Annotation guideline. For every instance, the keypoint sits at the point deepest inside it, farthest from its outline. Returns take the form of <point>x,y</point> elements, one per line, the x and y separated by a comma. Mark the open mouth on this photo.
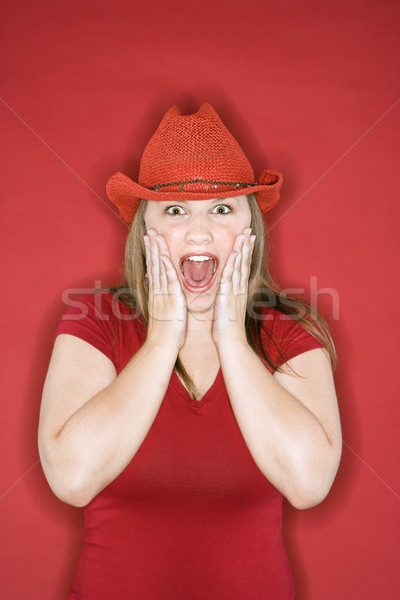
<point>198,271</point>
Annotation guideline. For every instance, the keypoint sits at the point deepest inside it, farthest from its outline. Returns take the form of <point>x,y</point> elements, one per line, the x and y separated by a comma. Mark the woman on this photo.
<point>180,408</point>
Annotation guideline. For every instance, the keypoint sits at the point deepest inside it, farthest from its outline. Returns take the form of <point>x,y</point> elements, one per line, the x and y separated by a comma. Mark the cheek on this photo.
<point>227,237</point>
<point>150,222</point>
<point>236,229</point>
<point>173,240</point>
<point>226,242</point>
<point>153,217</point>
<point>155,221</point>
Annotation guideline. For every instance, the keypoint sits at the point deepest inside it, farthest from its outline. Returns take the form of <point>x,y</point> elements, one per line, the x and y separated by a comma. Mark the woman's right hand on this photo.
<point>167,303</point>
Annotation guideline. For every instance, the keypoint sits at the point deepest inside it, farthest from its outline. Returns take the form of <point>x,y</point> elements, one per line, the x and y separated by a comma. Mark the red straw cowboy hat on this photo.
<point>192,157</point>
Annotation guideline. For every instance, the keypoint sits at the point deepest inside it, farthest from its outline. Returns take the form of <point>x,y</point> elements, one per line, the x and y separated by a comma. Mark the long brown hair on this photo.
<point>263,292</point>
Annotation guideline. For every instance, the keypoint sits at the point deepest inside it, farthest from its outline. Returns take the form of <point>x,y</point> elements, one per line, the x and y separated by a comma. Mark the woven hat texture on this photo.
<point>192,157</point>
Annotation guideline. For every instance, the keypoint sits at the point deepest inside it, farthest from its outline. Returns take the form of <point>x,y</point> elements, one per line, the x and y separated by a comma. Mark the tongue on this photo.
<point>198,273</point>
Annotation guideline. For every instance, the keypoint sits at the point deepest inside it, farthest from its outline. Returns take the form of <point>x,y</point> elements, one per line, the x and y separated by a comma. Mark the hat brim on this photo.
<point>127,194</point>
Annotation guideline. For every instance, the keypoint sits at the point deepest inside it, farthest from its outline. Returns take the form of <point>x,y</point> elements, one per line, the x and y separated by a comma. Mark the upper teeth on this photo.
<point>198,258</point>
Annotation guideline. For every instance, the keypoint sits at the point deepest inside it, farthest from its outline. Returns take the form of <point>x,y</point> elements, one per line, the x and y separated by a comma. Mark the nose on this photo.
<point>199,231</point>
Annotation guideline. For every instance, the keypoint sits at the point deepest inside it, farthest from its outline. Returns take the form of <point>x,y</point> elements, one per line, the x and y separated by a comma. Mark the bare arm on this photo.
<point>290,422</point>
<point>92,421</point>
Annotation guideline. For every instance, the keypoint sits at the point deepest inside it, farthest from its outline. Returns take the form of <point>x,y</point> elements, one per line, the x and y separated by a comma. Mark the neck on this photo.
<point>199,324</point>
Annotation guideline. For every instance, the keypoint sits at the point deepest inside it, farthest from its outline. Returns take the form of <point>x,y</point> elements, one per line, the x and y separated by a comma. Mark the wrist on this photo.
<point>165,343</point>
<point>228,341</point>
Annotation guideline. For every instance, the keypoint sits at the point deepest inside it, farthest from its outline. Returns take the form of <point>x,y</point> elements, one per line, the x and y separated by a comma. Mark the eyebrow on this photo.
<point>186,201</point>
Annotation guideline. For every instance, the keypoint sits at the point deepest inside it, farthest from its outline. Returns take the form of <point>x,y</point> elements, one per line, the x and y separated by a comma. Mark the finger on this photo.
<point>226,278</point>
<point>155,263</point>
<point>152,232</point>
<point>244,234</point>
<point>162,270</point>
<point>248,248</point>
<point>162,249</point>
<point>240,274</point>
<point>163,277</point>
<point>239,245</point>
<point>162,243</point>
<point>148,259</point>
<point>236,275</point>
<point>240,238</point>
<point>170,271</point>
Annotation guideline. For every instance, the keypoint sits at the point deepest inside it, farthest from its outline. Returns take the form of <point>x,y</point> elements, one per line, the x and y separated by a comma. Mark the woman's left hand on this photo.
<point>231,298</point>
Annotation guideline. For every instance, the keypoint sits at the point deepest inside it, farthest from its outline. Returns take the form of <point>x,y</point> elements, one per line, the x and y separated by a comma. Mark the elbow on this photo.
<point>307,498</point>
<point>68,479</point>
<point>70,491</point>
<point>70,487</point>
<point>74,497</point>
<point>314,484</point>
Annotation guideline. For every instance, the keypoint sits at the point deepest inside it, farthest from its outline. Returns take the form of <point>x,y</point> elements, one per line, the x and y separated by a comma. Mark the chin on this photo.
<point>200,303</point>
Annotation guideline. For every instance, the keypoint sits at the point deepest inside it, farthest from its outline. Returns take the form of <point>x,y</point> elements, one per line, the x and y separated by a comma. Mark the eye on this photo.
<point>222,209</point>
<point>175,210</point>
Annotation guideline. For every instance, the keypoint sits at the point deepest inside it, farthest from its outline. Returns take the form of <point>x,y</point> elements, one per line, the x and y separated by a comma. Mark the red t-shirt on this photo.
<point>191,517</point>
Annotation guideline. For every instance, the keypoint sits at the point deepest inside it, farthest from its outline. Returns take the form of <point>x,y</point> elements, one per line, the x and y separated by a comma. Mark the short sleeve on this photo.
<point>90,318</point>
<point>285,338</point>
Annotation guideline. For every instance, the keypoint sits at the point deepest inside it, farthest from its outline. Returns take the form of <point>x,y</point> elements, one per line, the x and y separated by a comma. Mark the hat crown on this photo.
<point>187,148</point>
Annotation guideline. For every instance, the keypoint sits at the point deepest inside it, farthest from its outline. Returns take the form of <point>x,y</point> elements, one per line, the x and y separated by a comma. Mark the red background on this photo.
<point>309,88</point>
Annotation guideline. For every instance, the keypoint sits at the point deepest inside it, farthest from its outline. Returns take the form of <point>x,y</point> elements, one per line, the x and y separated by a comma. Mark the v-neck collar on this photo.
<point>210,394</point>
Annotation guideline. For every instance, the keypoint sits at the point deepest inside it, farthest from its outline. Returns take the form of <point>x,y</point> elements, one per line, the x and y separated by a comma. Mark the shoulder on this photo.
<point>285,336</point>
<point>103,304</point>
<point>103,320</point>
